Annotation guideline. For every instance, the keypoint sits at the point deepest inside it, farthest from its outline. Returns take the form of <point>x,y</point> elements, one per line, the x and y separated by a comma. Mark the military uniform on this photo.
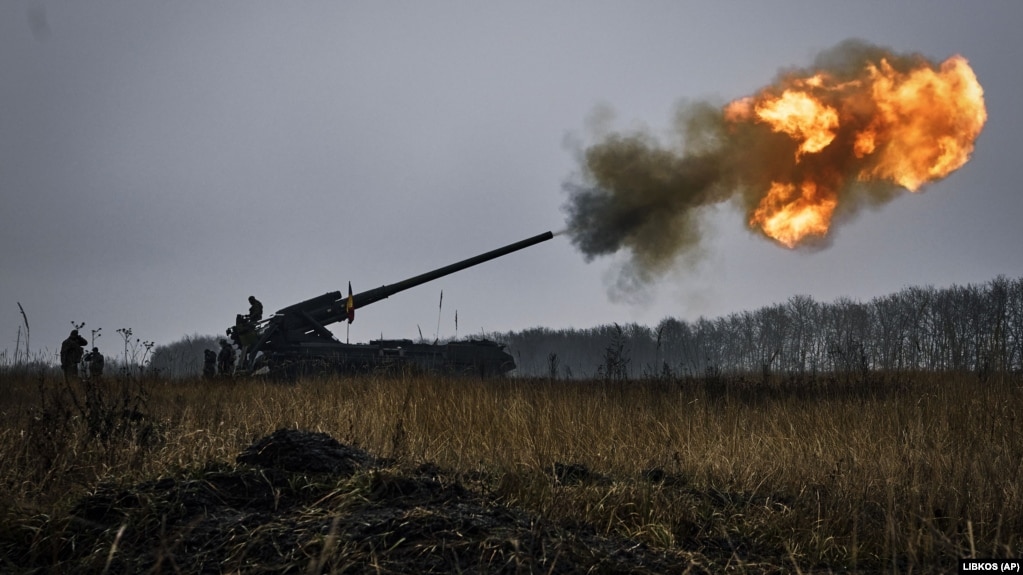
<point>96,362</point>
<point>225,359</point>
<point>255,309</point>
<point>71,353</point>
<point>209,366</point>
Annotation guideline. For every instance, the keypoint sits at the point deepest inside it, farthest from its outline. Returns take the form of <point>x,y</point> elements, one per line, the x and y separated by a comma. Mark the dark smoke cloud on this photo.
<point>642,196</point>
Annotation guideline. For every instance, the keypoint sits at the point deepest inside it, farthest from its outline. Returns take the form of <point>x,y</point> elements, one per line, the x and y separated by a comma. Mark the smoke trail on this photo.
<point>811,149</point>
<point>641,196</point>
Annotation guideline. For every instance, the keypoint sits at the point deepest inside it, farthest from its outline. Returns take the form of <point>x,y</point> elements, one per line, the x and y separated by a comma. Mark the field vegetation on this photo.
<point>717,473</point>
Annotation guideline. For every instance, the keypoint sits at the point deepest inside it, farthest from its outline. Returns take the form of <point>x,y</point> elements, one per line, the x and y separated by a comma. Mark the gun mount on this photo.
<point>295,339</point>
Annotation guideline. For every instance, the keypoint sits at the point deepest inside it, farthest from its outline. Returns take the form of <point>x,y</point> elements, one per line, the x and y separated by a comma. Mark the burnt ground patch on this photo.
<point>300,502</point>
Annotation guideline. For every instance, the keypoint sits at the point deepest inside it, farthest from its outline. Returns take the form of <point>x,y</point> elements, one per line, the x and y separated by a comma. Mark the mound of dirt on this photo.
<point>304,451</point>
<point>302,502</point>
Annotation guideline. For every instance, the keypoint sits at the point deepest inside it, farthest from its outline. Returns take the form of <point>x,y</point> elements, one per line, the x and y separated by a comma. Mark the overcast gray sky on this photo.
<point>162,161</point>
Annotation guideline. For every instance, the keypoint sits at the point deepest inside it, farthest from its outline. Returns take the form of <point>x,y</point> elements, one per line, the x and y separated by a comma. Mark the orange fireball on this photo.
<point>812,149</point>
<point>788,216</point>
<point>801,116</point>
<point>902,125</point>
<point>930,119</point>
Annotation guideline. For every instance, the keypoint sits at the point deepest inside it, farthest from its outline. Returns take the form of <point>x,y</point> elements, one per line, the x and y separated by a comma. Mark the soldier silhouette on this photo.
<point>225,359</point>
<point>255,309</point>
<point>96,363</point>
<point>209,365</point>
<point>71,352</point>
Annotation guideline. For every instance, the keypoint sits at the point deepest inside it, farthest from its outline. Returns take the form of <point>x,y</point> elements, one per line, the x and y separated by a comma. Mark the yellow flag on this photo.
<point>350,306</point>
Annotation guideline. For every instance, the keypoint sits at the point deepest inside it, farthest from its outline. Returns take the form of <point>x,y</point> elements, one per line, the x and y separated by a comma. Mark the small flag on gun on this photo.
<point>350,305</point>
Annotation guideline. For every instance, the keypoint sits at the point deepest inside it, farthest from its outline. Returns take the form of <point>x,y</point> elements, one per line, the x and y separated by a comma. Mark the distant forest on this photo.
<point>975,328</point>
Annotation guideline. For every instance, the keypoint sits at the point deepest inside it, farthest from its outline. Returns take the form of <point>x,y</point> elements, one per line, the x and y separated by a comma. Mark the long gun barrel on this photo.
<point>313,314</point>
<point>374,295</point>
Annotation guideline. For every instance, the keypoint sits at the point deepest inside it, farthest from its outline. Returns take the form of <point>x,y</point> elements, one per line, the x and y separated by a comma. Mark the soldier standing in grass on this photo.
<point>96,362</point>
<point>71,353</point>
<point>209,365</point>
<point>225,359</point>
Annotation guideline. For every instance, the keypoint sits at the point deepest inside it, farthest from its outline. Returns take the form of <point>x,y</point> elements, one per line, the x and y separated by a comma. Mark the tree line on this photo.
<point>976,328</point>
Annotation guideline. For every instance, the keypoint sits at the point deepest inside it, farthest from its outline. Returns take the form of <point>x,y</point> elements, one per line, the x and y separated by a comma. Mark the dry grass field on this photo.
<point>450,475</point>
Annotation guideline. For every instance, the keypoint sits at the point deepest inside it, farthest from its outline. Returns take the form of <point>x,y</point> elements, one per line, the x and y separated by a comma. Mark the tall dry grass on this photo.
<point>803,474</point>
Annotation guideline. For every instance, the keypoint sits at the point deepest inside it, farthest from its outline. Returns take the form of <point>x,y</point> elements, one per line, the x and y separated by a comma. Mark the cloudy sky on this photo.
<point>162,161</point>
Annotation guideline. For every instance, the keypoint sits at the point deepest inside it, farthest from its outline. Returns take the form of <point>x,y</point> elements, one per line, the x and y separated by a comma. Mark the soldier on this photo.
<point>95,360</point>
<point>71,354</point>
<point>225,359</point>
<point>255,309</point>
<point>209,366</point>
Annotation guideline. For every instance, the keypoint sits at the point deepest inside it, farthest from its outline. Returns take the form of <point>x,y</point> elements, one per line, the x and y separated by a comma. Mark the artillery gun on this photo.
<point>295,340</point>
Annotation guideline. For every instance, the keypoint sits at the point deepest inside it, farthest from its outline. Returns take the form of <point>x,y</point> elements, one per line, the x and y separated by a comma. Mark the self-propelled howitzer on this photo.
<point>295,339</point>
